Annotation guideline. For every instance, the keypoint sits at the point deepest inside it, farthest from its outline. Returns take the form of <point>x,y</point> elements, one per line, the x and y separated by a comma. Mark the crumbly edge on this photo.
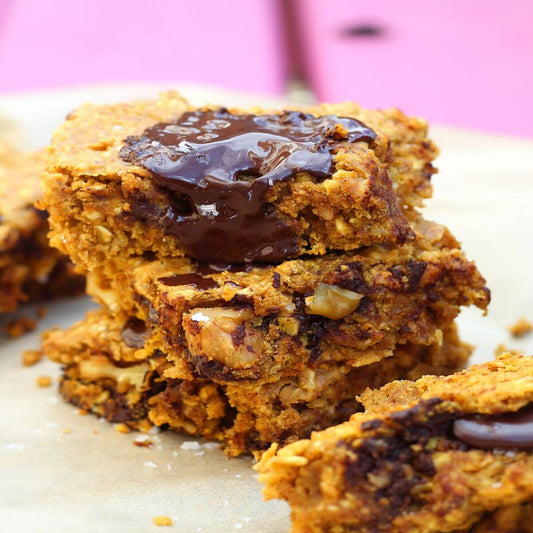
<point>396,467</point>
<point>246,416</point>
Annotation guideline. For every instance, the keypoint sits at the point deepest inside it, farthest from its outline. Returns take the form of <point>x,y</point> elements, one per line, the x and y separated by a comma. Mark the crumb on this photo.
<point>122,428</point>
<point>162,521</point>
<point>42,312</point>
<point>143,443</point>
<point>521,328</point>
<point>31,357</point>
<point>66,430</point>
<point>501,348</point>
<point>83,412</point>
<point>150,464</point>
<point>44,381</point>
<point>17,327</point>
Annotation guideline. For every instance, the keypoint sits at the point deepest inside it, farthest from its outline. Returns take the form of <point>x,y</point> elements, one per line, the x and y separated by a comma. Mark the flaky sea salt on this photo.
<point>211,446</point>
<point>190,445</point>
<point>199,317</point>
<point>150,464</point>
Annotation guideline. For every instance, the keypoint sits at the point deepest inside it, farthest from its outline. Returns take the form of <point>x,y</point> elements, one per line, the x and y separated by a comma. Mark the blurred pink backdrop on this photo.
<point>461,63</point>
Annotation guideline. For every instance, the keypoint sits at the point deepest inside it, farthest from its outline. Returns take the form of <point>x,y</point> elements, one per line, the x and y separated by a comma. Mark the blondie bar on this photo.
<point>263,322</point>
<point>104,374</point>
<point>29,268</point>
<point>232,186</point>
<point>439,454</point>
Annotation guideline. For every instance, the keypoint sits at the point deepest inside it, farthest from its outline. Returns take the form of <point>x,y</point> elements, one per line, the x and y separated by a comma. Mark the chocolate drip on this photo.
<point>221,166</point>
<point>134,333</point>
<point>508,430</point>
<point>196,280</point>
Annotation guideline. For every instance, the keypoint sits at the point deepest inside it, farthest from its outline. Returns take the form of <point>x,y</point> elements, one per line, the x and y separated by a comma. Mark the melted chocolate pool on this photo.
<point>220,166</point>
<point>508,430</point>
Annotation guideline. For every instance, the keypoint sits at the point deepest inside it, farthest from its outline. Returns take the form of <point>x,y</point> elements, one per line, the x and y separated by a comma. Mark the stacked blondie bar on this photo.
<point>29,268</point>
<point>257,270</point>
<point>450,453</point>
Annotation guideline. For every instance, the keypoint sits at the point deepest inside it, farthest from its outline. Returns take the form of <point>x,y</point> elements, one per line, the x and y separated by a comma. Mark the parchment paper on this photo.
<point>60,471</point>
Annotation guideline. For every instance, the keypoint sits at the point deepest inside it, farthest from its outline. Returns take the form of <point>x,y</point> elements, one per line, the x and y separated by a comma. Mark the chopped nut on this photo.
<point>332,302</point>
<point>220,334</point>
<point>103,234</point>
<point>521,328</point>
<point>162,521</point>
<point>31,357</point>
<point>44,381</point>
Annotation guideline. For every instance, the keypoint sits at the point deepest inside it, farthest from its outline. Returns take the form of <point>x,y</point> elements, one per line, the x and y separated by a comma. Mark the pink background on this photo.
<point>458,62</point>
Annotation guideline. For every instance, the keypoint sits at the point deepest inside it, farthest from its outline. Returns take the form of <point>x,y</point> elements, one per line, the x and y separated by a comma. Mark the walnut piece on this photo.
<point>332,302</point>
<point>220,334</point>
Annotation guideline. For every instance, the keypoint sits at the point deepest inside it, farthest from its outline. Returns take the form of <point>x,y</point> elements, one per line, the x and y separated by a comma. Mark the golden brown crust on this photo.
<point>246,416</point>
<point>92,194</point>
<point>398,467</point>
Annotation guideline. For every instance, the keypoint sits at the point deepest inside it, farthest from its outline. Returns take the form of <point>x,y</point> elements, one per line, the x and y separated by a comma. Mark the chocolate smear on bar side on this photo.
<point>134,333</point>
<point>196,280</point>
<point>220,166</point>
<point>506,430</point>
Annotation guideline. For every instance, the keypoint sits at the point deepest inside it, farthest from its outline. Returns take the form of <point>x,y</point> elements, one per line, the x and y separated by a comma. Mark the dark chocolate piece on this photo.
<point>134,333</point>
<point>507,430</point>
<point>193,279</point>
<point>220,166</point>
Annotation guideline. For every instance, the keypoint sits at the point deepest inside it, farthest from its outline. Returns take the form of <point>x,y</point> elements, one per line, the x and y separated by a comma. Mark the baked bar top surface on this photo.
<point>402,465</point>
<point>100,203</point>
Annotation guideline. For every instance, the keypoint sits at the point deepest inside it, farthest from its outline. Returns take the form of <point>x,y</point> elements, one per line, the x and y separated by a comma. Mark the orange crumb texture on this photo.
<point>31,357</point>
<point>162,521</point>
<point>44,381</point>
<point>122,428</point>
<point>521,328</point>
<point>19,326</point>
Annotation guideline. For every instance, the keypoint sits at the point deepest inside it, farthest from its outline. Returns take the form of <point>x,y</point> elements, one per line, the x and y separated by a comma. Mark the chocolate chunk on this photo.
<point>508,430</point>
<point>193,279</point>
<point>220,166</point>
<point>134,333</point>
